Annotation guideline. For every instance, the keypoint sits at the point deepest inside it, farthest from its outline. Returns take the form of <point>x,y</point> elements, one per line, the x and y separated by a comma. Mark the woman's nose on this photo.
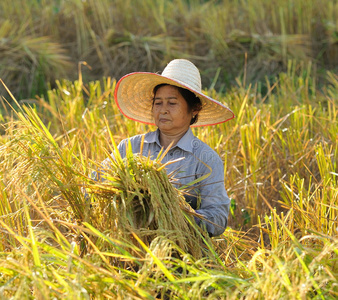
<point>164,109</point>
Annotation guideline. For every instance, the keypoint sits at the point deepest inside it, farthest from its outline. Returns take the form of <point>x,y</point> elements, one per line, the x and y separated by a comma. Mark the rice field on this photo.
<point>44,40</point>
<point>134,238</point>
<point>281,174</point>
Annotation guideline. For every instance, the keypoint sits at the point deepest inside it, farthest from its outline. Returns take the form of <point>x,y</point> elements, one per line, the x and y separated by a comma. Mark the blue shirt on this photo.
<point>199,160</point>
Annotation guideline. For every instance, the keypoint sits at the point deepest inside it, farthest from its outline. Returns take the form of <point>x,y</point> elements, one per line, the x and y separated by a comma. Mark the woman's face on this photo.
<point>170,110</point>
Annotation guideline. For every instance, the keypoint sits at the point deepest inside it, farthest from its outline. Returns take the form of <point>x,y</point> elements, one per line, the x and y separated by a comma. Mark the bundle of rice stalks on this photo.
<point>137,197</point>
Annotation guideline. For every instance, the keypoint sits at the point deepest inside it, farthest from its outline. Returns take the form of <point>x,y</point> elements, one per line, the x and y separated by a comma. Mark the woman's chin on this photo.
<point>163,126</point>
<point>164,129</point>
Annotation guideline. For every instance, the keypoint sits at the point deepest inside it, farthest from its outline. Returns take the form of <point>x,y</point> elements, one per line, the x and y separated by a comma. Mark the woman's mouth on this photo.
<point>164,120</point>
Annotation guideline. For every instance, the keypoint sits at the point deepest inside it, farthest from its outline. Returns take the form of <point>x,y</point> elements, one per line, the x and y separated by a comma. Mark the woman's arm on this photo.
<point>215,202</point>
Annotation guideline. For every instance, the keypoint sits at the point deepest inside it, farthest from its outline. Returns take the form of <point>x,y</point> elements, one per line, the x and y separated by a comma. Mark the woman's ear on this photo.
<point>195,112</point>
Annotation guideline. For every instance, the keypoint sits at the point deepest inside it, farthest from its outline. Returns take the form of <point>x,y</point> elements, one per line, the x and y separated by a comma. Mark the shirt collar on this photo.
<point>185,143</point>
<point>152,137</point>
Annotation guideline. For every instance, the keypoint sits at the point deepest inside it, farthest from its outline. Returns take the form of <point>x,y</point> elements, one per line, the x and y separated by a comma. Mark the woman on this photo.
<point>173,101</point>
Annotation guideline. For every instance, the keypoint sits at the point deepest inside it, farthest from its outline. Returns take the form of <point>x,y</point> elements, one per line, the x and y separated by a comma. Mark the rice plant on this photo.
<point>45,40</point>
<point>279,156</point>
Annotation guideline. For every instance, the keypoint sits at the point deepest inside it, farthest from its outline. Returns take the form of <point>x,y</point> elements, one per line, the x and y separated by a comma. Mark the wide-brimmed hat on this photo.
<point>134,93</point>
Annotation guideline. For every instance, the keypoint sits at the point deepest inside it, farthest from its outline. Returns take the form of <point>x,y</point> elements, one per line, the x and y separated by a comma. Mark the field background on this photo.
<point>273,62</point>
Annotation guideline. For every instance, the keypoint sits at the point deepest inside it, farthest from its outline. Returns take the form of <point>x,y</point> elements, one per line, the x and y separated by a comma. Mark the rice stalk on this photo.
<point>138,198</point>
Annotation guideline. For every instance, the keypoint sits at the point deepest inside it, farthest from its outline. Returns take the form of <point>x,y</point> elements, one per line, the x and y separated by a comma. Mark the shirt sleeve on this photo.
<point>215,202</point>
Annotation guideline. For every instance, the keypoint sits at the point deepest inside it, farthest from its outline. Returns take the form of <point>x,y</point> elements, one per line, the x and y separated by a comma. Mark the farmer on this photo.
<point>173,101</point>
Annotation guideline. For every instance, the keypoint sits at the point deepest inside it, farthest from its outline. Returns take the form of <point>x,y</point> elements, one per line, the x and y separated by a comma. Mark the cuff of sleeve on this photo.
<point>197,220</point>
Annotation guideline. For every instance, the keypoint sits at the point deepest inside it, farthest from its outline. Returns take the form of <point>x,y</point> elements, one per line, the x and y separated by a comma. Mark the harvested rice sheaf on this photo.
<point>137,197</point>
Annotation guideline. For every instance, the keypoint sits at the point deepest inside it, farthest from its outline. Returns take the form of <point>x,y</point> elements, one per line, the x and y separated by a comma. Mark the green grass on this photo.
<point>279,154</point>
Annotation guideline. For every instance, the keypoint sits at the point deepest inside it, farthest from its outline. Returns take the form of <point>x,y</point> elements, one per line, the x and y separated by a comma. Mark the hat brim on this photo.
<point>134,98</point>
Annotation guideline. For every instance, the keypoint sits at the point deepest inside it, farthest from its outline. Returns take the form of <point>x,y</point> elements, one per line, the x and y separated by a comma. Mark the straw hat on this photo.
<point>134,93</point>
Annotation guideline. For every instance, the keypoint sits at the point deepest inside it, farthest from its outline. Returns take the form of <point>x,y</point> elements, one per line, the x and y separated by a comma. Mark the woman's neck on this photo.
<point>166,139</point>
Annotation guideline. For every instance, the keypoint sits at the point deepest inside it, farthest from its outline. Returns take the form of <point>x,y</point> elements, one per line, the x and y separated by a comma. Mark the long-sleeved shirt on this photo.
<point>199,160</point>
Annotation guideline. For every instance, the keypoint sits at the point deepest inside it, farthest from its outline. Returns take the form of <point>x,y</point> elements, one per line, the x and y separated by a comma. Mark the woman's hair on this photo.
<point>194,102</point>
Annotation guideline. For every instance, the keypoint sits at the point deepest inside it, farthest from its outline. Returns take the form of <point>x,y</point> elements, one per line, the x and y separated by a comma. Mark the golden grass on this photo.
<point>280,158</point>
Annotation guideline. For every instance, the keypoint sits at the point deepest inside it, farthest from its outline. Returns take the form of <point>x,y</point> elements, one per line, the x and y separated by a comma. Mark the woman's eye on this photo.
<point>172,103</point>
<point>157,103</point>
